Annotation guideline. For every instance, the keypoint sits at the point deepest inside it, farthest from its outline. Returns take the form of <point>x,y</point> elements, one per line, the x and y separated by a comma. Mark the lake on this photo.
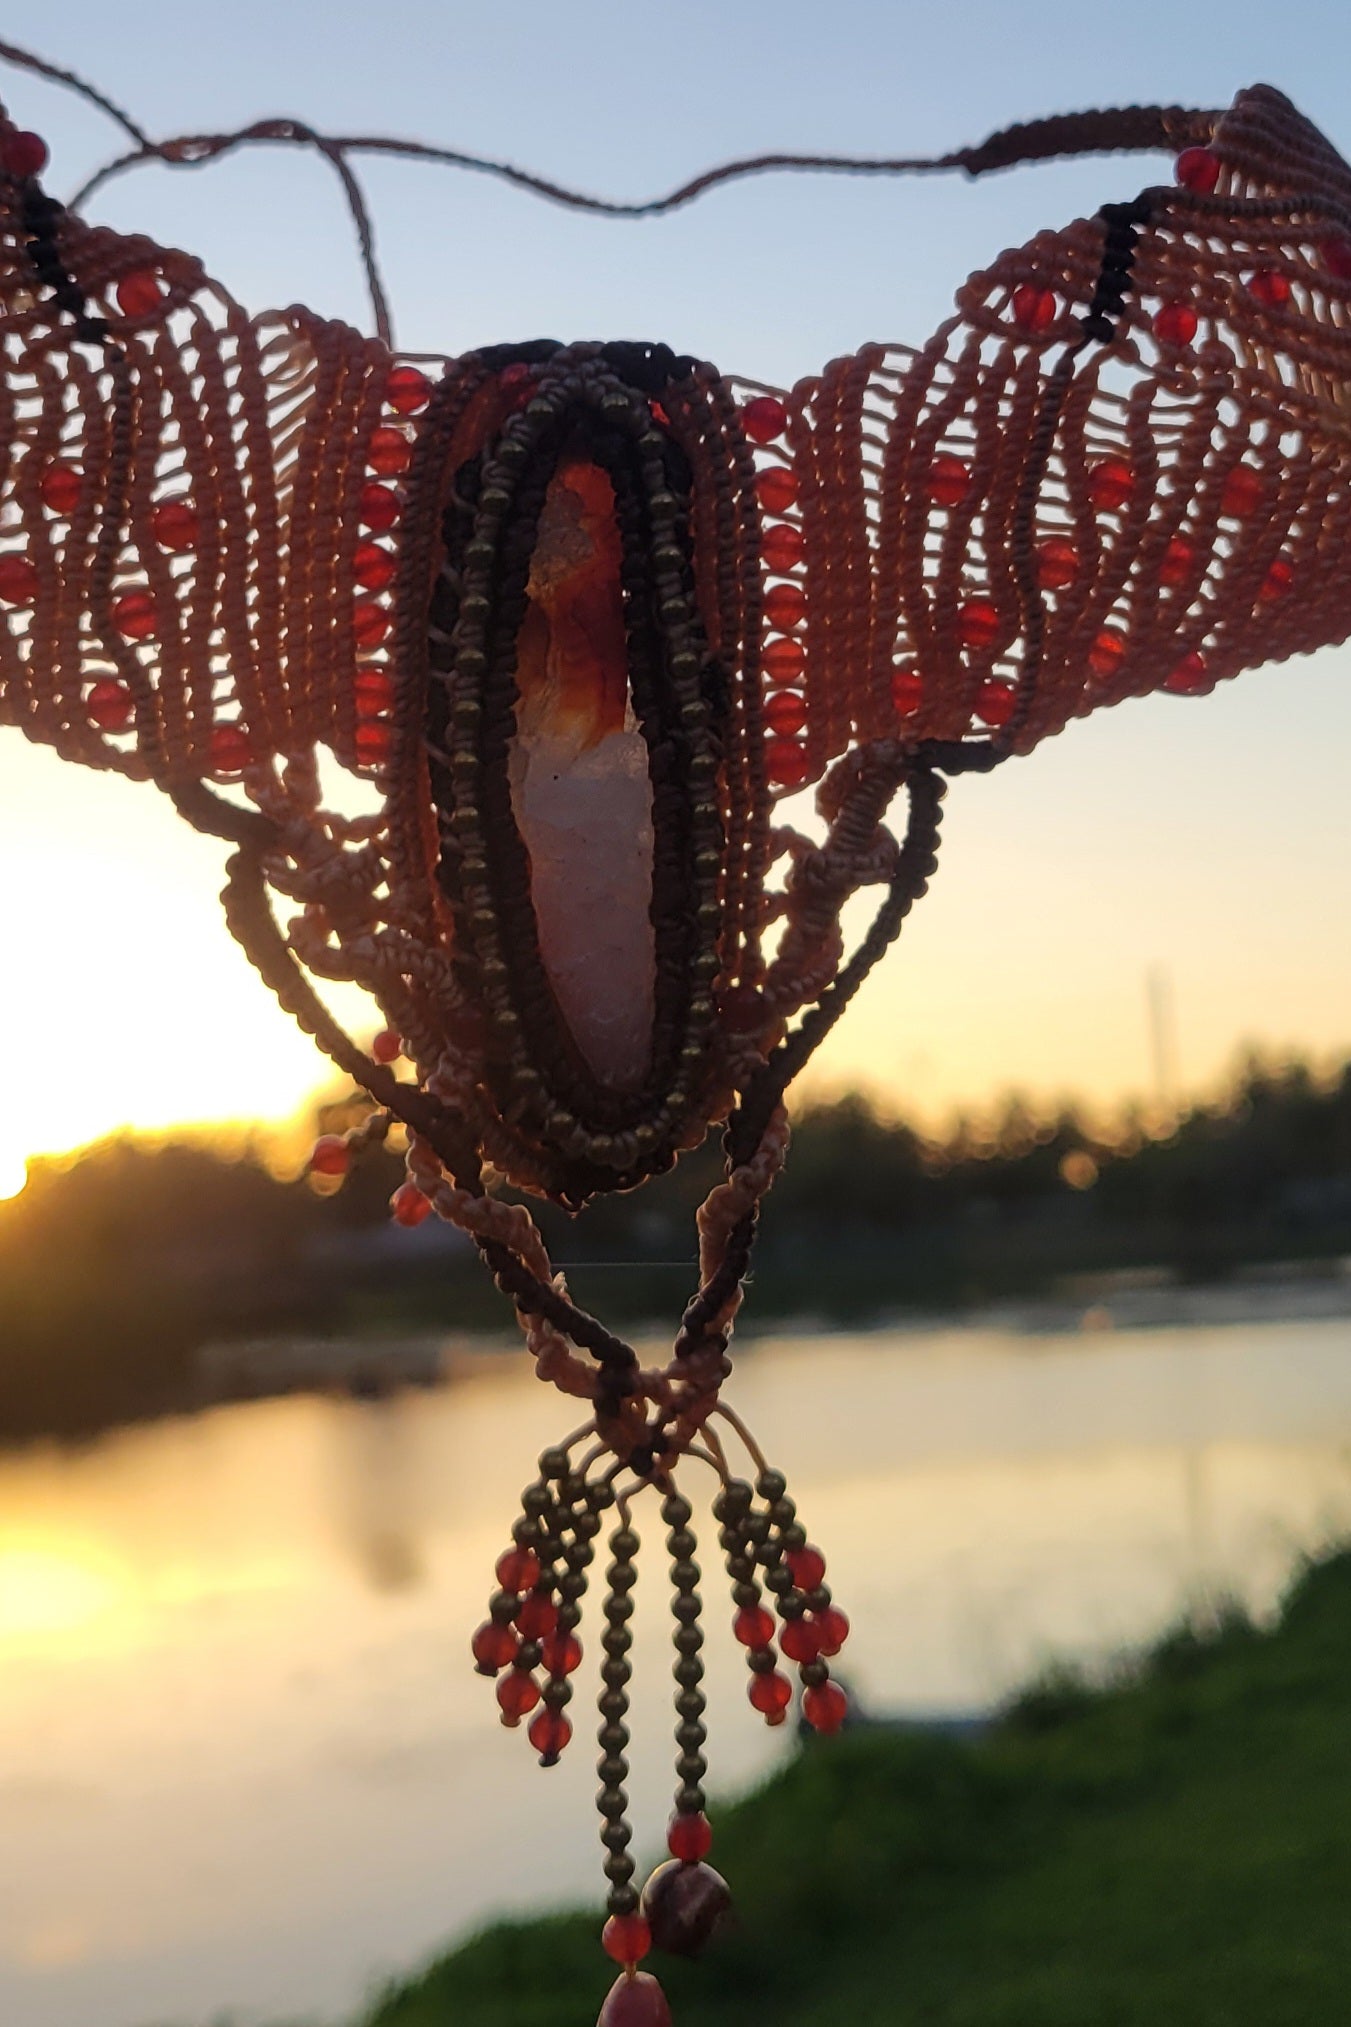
<point>246,1768</point>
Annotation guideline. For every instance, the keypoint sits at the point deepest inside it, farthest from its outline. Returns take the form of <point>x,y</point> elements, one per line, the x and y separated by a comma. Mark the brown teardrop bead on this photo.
<point>635,2001</point>
<point>684,1905</point>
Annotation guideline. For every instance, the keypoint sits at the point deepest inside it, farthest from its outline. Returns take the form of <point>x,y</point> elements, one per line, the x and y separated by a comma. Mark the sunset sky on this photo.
<point>1207,840</point>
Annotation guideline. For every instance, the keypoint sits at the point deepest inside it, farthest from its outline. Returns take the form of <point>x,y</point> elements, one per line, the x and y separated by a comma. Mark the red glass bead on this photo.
<point>379,507</point>
<point>560,1653</point>
<point>1190,678</point>
<point>764,418</point>
<point>372,566</point>
<point>134,615</point>
<point>518,1569</point>
<point>785,606</point>
<point>995,701</point>
<point>799,1641</point>
<point>1057,564</point>
<point>372,741</point>
<point>1271,287</point>
<point>23,153</point>
<point>330,1155</point>
<point>1176,564</point>
<point>948,481</point>
<point>174,525</point>
<point>61,486</point>
<point>1105,654</point>
<point>776,488</point>
<point>1110,484</point>
<point>627,1938</point>
<point>1034,309</point>
<point>689,1838</point>
<point>1337,257</point>
<point>372,692</point>
<point>1175,324</point>
<point>770,1695</point>
<point>635,2000</point>
<point>110,706</point>
<point>409,1206</point>
<point>517,1694</point>
<point>784,660</point>
<point>231,749</point>
<point>407,390</point>
<point>753,1626</point>
<point>781,547</point>
<point>977,623</point>
<point>807,1567</point>
<point>387,1046</point>
<point>389,452</point>
<point>785,712</point>
<point>370,623</point>
<point>826,1707</point>
<point>1244,492</point>
<point>786,762</point>
<point>494,1647</point>
<point>1197,169</point>
<point>1277,580</point>
<point>907,691</point>
<point>537,1615</point>
<point>548,1734</point>
<point>18,580</point>
<point>659,415</point>
<point>140,293</point>
<point>832,1629</point>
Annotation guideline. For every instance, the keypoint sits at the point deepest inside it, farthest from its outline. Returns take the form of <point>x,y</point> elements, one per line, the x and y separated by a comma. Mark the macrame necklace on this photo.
<point>580,615</point>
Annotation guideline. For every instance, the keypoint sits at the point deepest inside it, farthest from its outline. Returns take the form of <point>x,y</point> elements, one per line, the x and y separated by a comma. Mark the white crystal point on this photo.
<point>586,819</point>
<point>580,788</point>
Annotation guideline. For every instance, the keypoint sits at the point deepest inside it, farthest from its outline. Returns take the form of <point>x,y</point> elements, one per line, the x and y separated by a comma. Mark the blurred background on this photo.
<point>1073,1365</point>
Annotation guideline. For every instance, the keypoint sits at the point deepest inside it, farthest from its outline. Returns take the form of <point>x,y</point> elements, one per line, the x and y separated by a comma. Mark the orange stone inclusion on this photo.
<point>572,664</point>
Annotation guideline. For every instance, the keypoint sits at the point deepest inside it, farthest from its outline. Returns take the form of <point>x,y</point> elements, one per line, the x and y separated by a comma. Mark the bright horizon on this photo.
<point>1205,840</point>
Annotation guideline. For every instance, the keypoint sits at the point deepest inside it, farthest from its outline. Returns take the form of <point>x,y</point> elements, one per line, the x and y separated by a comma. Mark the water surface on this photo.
<point>245,1766</point>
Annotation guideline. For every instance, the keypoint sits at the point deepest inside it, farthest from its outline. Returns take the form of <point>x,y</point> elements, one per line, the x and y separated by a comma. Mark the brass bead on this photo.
<point>688,1671</point>
<point>690,1736</point>
<point>685,1639</point>
<point>624,1544</point>
<point>616,1836</point>
<point>613,1703</point>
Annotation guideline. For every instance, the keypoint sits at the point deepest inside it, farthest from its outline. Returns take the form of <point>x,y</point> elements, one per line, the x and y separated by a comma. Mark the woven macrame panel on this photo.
<point>197,562</point>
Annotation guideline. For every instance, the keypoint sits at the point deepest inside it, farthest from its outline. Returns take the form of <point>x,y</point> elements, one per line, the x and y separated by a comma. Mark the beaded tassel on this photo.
<point>529,1643</point>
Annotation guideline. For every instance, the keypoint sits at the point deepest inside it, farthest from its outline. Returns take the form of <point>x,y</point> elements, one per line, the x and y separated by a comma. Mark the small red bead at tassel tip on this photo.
<point>560,1654</point>
<point>538,1616</point>
<point>832,1630</point>
<point>753,1626</point>
<point>517,1694</point>
<point>825,1708</point>
<point>518,1569</point>
<point>330,1155</point>
<point>494,1648</point>
<point>23,153</point>
<point>807,1567</point>
<point>635,2000</point>
<point>408,1206</point>
<point>549,1733</point>
<point>799,1641</point>
<point>387,1046</point>
<point>689,1836</point>
<point>684,1904</point>
<point>771,1696</point>
<point>626,1938</point>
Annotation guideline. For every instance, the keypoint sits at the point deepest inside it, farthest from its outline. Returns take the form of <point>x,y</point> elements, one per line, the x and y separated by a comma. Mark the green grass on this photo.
<point>1171,1852</point>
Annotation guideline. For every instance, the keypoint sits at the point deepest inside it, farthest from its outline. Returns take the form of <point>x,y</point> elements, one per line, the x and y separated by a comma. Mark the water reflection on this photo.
<point>243,1762</point>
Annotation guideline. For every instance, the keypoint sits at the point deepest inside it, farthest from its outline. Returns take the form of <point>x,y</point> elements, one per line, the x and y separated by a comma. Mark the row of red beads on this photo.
<point>782,546</point>
<point>816,1636</point>
<point>497,1646</point>
<point>388,455</point>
